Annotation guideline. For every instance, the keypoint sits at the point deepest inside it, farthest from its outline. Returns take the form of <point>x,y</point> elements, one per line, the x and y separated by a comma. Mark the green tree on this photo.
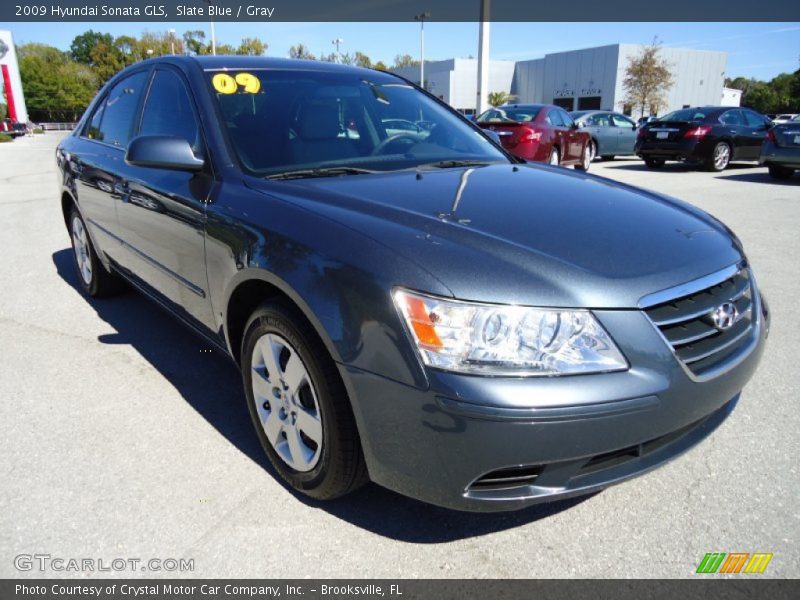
<point>81,48</point>
<point>500,98</point>
<point>362,60</point>
<point>648,78</point>
<point>195,41</point>
<point>251,47</point>
<point>780,94</point>
<point>56,87</point>
<point>301,51</point>
<point>405,60</point>
<point>380,66</point>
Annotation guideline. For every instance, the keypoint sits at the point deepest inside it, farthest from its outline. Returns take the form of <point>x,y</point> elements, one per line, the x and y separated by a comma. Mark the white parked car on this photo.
<point>784,118</point>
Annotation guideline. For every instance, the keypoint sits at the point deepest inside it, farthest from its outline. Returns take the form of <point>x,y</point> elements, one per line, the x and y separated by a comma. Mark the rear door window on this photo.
<point>554,118</point>
<point>732,117</point>
<point>113,122</point>
<point>565,118</point>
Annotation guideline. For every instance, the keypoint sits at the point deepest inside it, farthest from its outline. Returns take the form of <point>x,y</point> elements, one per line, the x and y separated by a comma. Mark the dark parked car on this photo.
<point>539,133</point>
<point>13,128</point>
<point>710,136</point>
<point>781,150</point>
<point>612,133</point>
<point>420,309</point>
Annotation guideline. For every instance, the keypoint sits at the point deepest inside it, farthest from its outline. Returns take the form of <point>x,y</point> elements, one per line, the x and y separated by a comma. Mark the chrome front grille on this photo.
<point>688,324</point>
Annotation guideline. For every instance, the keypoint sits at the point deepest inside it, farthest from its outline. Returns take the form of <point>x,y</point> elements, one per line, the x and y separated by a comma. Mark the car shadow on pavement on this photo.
<point>763,177</point>
<point>680,167</point>
<point>211,384</point>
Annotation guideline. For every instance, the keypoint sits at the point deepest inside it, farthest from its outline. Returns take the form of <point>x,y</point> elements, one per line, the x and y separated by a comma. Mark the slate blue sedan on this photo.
<point>408,303</point>
<point>613,134</point>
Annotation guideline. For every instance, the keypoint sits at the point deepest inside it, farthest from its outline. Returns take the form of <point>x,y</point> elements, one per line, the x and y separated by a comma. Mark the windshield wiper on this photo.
<point>321,172</point>
<point>449,164</point>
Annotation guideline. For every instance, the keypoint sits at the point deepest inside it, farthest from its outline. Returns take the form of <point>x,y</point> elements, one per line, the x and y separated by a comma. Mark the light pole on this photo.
<point>336,43</point>
<point>213,33</point>
<point>172,41</point>
<point>421,18</point>
<point>483,58</point>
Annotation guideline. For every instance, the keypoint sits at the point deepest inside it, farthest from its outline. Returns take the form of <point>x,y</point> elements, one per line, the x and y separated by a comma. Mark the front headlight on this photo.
<point>493,339</point>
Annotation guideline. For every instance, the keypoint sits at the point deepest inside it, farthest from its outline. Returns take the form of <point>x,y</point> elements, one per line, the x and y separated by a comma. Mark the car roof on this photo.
<point>222,62</point>
<point>526,106</point>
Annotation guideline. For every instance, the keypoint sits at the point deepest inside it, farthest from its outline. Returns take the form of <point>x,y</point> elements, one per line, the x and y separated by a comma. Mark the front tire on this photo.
<point>299,405</point>
<point>95,280</point>
<point>777,172</point>
<point>720,157</point>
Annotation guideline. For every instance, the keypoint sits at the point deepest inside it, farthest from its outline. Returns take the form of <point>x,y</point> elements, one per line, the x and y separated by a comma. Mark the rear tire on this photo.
<point>720,157</point>
<point>555,157</point>
<point>96,281</point>
<point>299,405</point>
<point>777,172</point>
<point>586,158</point>
<point>654,163</point>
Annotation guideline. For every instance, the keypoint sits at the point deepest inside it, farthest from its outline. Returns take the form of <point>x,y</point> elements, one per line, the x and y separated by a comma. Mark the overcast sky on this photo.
<point>760,50</point>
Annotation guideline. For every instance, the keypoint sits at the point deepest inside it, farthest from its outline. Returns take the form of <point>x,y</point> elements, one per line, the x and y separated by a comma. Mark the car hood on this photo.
<point>525,234</point>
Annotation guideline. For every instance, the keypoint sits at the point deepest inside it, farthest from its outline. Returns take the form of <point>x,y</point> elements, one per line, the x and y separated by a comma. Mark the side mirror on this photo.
<point>162,152</point>
<point>579,124</point>
<point>494,136</point>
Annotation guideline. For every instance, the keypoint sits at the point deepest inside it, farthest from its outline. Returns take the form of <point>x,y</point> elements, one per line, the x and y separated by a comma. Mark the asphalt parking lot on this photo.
<point>123,436</point>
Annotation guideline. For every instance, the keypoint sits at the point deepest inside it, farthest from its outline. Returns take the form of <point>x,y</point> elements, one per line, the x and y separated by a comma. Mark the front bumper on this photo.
<point>544,438</point>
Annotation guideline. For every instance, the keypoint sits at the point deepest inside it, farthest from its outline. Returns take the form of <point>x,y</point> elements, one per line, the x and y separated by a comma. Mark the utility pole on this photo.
<point>213,33</point>
<point>336,43</point>
<point>483,58</point>
<point>172,41</point>
<point>421,18</point>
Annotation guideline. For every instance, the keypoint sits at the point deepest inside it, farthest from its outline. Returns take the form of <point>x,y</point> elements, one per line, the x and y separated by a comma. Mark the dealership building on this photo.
<point>579,79</point>
<point>455,80</point>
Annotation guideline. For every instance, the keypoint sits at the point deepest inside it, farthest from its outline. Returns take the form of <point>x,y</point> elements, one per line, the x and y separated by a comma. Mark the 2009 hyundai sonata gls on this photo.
<point>407,302</point>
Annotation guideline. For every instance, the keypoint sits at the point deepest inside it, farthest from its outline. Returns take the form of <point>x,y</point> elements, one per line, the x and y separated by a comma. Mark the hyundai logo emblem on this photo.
<point>724,316</point>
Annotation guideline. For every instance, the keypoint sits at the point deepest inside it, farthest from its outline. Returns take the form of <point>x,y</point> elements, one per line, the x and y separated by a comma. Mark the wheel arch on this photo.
<point>251,288</point>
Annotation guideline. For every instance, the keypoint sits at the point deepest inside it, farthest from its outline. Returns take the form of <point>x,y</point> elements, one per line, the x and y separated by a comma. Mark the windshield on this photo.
<point>281,120</point>
<point>521,114</point>
<point>688,114</point>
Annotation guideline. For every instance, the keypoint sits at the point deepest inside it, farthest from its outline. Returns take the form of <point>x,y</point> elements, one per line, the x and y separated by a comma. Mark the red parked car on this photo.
<point>539,132</point>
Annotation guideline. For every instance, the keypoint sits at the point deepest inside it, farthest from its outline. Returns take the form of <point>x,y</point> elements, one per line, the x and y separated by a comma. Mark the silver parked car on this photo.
<point>612,133</point>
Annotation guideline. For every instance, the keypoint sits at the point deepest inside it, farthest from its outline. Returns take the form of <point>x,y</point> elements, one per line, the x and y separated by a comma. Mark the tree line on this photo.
<point>780,94</point>
<point>59,85</point>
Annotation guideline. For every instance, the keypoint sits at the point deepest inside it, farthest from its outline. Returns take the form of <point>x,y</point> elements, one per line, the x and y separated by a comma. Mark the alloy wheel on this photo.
<point>80,245</point>
<point>588,156</point>
<point>722,156</point>
<point>286,402</point>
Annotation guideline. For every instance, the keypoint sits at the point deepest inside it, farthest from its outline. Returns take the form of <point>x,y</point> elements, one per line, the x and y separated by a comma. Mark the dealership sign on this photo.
<point>12,84</point>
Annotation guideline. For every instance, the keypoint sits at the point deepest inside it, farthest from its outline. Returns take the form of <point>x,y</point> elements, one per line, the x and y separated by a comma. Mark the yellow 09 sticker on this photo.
<point>240,83</point>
